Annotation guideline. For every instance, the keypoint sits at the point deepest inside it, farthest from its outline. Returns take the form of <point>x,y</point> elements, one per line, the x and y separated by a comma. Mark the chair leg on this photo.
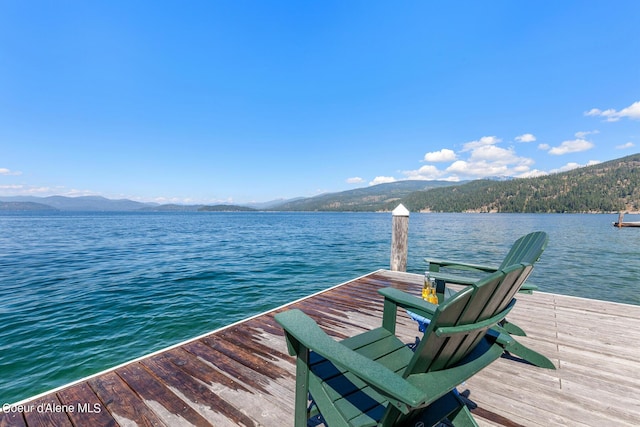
<point>512,346</point>
<point>512,328</point>
<point>302,389</point>
<point>525,353</point>
<point>462,418</point>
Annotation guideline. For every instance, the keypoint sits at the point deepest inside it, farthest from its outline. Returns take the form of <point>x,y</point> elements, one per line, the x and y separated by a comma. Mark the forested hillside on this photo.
<point>367,199</point>
<point>607,187</point>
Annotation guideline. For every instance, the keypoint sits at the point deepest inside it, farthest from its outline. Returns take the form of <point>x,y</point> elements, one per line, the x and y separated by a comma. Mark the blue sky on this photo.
<point>240,101</point>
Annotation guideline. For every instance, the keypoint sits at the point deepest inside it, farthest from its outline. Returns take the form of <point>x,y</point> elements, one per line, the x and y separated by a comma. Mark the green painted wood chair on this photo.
<point>374,379</point>
<point>527,249</point>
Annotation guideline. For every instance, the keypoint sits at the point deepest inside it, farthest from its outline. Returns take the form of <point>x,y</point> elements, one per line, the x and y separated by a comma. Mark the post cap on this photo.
<point>400,211</point>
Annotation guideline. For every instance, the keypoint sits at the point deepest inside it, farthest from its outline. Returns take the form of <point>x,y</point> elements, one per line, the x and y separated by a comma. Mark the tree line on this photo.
<point>607,187</point>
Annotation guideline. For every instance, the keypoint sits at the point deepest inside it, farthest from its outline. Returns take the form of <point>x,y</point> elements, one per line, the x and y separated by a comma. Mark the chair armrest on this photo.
<point>453,278</point>
<point>528,288</point>
<point>302,331</point>
<point>437,263</point>
<point>402,299</point>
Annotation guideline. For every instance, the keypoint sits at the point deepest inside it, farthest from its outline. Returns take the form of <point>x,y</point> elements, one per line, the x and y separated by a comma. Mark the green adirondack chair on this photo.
<point>375,379</point>
<point>527,249</point>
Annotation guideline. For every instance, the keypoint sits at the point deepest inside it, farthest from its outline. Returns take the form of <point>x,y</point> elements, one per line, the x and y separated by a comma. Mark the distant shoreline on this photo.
<point>190,209</point>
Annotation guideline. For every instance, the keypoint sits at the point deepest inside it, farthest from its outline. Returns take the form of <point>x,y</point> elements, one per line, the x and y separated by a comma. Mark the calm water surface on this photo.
<point>81,292</point>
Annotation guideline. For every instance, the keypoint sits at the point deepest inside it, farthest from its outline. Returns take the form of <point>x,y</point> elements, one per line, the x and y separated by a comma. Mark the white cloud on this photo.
<point>31,190</point>
<point>459,166</point>
<point>573,146</point>
<point>596,112</point>
<point>544,147</point>
<point>5,171</point>
<point>490,160</point>
<point>582,135</point>
<point>355,180</point>
<point>527,137</point>
<point>611,115</point>
<point>165,200</point>
<point>573,165</point>
<point>569,166</point>
<point>444,155</point>
<point>494,154</point>
<point>484,141</point>
<point>21,190</point>
<point>382,180</point>
<point>78,193</point>
<point>484,158</point>
<point>625,146</point>
<point>478,169</point>
<point>426,172</point>
<point>532,174</point>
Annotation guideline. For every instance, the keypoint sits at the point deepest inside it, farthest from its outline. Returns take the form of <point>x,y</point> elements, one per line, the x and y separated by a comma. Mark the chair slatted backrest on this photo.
<point>527,249</point>
<point>487,299</point>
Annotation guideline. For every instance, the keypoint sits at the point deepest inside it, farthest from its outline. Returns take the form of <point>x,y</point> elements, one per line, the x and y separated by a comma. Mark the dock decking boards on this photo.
<point>241,375</point>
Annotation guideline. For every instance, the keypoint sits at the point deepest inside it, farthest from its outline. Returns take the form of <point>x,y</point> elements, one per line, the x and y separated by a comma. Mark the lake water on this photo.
<point>82,292</point>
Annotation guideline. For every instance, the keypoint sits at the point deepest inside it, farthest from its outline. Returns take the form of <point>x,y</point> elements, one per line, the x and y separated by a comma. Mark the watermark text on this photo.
<point>82,408</point>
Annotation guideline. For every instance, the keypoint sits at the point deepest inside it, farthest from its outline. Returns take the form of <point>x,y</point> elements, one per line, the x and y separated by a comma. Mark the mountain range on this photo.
<point>606,187</point>
<point>63,203</point>
<point>373,198</point>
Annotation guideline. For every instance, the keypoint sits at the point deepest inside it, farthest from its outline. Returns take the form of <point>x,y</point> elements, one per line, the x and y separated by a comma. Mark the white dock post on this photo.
<point>399,238</point>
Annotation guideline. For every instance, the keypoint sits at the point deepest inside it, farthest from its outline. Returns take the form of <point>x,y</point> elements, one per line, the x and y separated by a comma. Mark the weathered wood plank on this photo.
<point>159,398</point>
<point>491,418</point>
<point>47,411</point>
<point>192,355</point>
<point>124,404</point>
<point>600,363</point>
<point>535,405</point>
<point>599,307</point>
<point>264,399</point>
<point>253,382</point>
<point>196,393</point>
<point>88,408</point>
<point>12,419</point>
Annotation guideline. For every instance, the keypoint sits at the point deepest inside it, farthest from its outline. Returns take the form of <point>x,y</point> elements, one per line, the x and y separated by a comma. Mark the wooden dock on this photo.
<point>621,223</point>
<point>241,374</point>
